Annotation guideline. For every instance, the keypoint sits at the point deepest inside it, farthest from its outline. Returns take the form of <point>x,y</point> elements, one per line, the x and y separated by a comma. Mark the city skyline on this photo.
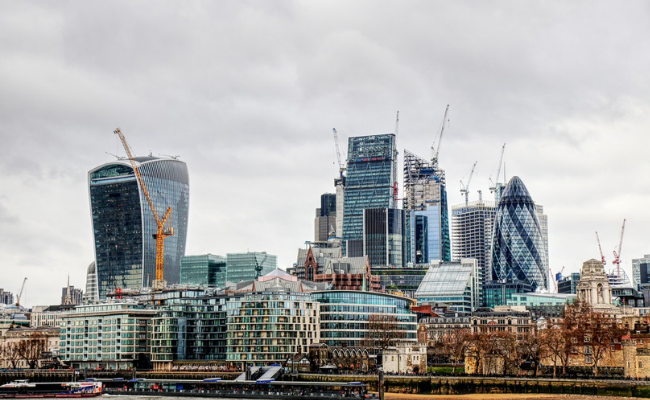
<point>247,95</point>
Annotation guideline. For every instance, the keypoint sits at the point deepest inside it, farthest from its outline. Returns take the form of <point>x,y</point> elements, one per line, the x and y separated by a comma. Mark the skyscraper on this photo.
<point>471,227</point>
<point>92,292</point>
<point>370,183</point>
<point>383,236</point>
<point>325,220</point>
<point>641,272</point>
<point>123,224</point>
<point>518,248</point>
<point>425,194</point>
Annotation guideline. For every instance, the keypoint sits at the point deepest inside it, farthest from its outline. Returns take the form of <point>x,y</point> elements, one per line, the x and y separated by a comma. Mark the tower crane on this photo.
<point>617,254</point>
<point>436,150</point>
<point>494,184</point>
<point>465,188</point>
<point>338,153</point>
<point>162,233</point>
<point>20,293</point>
<point>602,256</point>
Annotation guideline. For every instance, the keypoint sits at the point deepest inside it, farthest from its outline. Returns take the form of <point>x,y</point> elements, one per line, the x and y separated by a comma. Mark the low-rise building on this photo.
<point>405,358</point>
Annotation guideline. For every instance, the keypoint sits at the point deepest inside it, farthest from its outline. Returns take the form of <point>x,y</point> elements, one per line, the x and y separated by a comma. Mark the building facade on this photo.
<point>456,284</point>
<point>425,195</point>
<point>518,248</point>
<point>92,290</point>
<point>383,236</point>
<point>247,266</point>
<point>109,335</point>
<point>205,269</point>
<point>471,227</point>
<point>641,272</point>
<point>270,327</point>
<point>124,226</point>
<point>325,220</point>
<point>349,318</point>
<point>370,183</point>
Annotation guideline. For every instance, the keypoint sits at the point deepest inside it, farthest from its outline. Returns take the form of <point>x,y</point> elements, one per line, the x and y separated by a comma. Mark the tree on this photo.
<point>9,351</point>
<point>383,331</point>
<point>454,344</point>
<point>559,348</point>
<point>533,346</point>
<point>31,349</point>
<point>600,333</point>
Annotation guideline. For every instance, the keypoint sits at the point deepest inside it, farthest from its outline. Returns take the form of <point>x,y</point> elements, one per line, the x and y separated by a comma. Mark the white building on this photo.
<point>405,358</point>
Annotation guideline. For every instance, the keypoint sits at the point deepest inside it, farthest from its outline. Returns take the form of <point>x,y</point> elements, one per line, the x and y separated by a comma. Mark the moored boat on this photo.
<point>23,389</point>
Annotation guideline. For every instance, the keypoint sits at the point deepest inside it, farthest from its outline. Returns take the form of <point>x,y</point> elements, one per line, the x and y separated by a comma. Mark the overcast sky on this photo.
<point>247,93</point>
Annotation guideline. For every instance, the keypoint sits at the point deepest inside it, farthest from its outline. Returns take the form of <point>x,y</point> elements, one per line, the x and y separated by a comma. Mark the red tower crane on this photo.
<point>617,254</point>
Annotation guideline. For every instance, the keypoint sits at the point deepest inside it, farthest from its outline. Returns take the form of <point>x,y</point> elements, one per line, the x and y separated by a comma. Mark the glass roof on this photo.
<point>446,279</point>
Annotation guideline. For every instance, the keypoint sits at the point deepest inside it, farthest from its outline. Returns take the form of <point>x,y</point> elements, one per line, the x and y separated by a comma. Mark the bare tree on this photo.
<point>31,349</point>
<point>454,344</point>
<point>559,347</point>
<point>383,331</point>
<point>600,333</point>
<point>9,351</point>
<point>533,346</point>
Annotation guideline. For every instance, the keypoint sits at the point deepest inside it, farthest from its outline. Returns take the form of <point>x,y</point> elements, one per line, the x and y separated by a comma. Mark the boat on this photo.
<point>23,389</point>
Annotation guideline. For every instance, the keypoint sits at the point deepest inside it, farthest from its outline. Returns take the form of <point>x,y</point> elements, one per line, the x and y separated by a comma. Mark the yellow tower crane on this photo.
<point>161,233</point>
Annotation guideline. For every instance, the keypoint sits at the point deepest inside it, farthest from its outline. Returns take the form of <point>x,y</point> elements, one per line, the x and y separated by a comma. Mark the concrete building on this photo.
<point>109,335</point>
<point>370,183</point>
<point>513,319</point>
<point>325,220</point>
<point>92,290</point>
<point>471,227</point>
<point>124,225</point>
<point>568,284</point>
<point>405,358</point>
<point>425,202</point>
<point>641,272</point>
<point>594,288</point>
<point>456,284</point>
<point>6,297</point>
<point>48,336</point>
<point>48,316</point>
<point>204,269</point>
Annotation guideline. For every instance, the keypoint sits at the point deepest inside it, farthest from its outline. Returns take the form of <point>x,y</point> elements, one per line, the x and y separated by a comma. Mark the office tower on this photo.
<point>425,194</point>
<point>6,297</point>
<point>247,266</point>
<point>518,250</point>
<point>543,225</point>
<point>370,183</point>
<point>204,269</point>
<point>339,183</point>
<point>568,284</point>
<point>124,226</point>
<point>70,295</point>
<point>325,221</point>
<point>471,227</point>
<point>641,272</point>
<point>383,236</point>
<point>92,292</point>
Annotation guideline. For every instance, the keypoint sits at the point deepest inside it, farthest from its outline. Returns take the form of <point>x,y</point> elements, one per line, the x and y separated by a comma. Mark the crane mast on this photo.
<point>602,256</point>
<point>161,233</point>
<point>338,153</point>
<point>436,150</point>
<point>617,254</point>
<point>465,188</point>
<point>20,293</point>
<point>493,184</point>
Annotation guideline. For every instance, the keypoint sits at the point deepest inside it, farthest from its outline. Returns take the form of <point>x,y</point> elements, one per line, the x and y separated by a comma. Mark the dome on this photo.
<point>518,251</point>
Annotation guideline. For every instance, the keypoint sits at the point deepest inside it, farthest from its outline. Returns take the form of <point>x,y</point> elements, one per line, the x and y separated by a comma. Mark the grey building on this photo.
<point>204,269</point>
<point>383,236</point>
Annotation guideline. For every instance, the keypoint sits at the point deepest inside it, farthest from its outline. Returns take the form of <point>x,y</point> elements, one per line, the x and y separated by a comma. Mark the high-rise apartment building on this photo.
<point>383,236</point>
<point>471,227</point>
<point>124,226</point>
<point>370,183</point>
<point>425,195</point>
<point>518,248</point>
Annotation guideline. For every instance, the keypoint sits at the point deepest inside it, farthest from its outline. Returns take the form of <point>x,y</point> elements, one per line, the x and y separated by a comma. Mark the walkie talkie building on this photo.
<point>124,225</point>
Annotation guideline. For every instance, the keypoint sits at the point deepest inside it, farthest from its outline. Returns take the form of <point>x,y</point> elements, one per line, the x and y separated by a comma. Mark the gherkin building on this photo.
<point>518,251</point>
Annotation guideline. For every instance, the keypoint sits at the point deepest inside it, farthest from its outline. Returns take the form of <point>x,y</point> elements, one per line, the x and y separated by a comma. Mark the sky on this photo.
<point>247,93</point>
